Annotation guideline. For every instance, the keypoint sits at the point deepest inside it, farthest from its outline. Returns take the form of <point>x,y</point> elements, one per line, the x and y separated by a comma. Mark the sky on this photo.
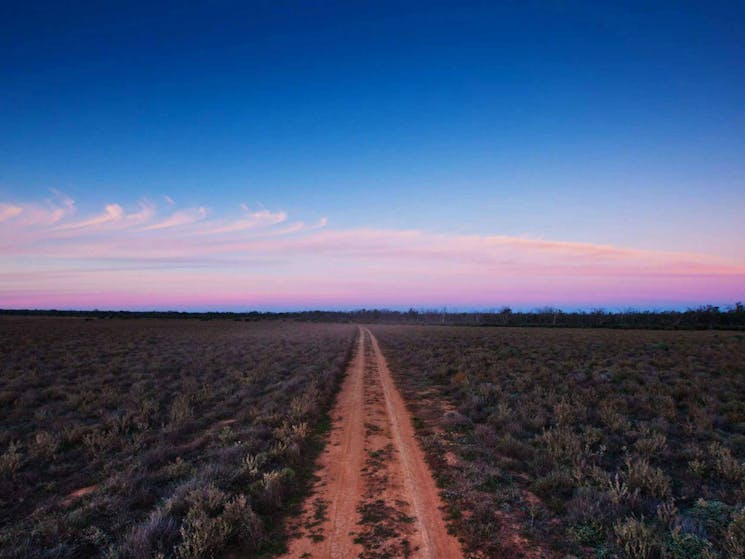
<point>300,155</point>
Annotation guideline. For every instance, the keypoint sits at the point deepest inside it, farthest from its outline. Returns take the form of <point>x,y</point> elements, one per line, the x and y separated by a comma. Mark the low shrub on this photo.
<point>214,521</point>
<point>687,546</point>
<point>649,480</point>
<point>10,460</point>
<point>635,539</point>
<point>734,537</point>
<point>144,438</point>
<point>156,535</point>
<point>600,426</point>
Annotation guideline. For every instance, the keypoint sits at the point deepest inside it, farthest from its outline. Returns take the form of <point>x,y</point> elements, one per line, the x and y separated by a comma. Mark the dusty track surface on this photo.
<point>374,496</point>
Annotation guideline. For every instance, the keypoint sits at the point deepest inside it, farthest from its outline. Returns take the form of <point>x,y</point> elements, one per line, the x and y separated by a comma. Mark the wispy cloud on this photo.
<point>111,213</point>
<point>40,214</point>
<point>252,220</point>
<point>179,219</point>
<point>9,211</point>
<point>145,214</point>
<point>261,257</point>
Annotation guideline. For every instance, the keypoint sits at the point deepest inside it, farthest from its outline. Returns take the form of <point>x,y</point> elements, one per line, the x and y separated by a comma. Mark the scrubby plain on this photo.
<point>158,438</point>
<point>587,443</point>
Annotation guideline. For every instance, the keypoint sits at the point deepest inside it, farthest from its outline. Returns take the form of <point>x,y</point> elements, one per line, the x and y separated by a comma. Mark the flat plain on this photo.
<point>154,438</point>
<point>158,438</point>
<point>581,442</point>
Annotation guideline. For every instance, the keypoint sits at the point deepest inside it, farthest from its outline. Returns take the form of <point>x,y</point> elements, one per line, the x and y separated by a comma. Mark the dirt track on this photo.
<point>375,496</point>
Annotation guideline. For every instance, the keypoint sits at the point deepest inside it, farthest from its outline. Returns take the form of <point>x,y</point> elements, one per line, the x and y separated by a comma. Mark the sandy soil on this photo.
<point>77,494</point>
<point>374,496</point>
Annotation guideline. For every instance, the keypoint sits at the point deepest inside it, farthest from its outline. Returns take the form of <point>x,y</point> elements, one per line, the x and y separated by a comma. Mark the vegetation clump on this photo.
<point>139,439</point>
<point>584,443</point>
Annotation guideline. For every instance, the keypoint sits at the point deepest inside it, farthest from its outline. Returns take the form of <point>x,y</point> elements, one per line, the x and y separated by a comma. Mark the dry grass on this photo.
<point>157,438</point>
<point>593,443</point>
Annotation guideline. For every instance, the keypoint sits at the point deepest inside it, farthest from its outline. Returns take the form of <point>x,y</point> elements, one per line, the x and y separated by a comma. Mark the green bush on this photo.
<point>711,517</point>
<point>592,534</point>
<point>687,546</point>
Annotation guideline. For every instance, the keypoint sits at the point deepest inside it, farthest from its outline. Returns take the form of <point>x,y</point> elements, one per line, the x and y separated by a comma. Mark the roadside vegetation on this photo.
<point>158,438</point>
<point>583,443</point>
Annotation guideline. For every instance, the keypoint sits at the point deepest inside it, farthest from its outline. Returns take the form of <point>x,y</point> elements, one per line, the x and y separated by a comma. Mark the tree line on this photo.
<point>704,317</point>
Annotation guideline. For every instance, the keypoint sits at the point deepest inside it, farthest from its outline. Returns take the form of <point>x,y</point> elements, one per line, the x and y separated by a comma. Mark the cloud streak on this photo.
<point>200,258</point>
<point>253,220</point>
<point>9,211</point>
<point>111,213</point>
<point>179,219</point>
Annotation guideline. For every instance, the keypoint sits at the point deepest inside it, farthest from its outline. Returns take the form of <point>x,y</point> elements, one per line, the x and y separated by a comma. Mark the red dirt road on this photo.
<point>375,496</point>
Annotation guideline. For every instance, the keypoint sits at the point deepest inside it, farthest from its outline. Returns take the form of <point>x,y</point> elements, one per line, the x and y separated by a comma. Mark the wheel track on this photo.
<point>342,487</point>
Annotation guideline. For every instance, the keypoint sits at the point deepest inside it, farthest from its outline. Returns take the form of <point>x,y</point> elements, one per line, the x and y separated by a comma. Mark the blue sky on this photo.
<point>589,122</point>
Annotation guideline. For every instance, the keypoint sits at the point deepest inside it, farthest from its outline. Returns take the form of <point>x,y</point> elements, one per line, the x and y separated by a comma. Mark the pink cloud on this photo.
<point>36,215</point>
<point>146,213</point>
<point>253,220</point>
<point>111,213</point>
<point>179,219</point>
<point>259,258</point>
<point>9,211</point>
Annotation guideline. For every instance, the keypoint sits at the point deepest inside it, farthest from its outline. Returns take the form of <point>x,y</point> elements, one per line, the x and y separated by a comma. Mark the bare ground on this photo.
<point>374,496</point>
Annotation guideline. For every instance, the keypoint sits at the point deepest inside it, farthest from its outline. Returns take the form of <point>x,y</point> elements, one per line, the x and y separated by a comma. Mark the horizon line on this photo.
<point>444,309</point>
